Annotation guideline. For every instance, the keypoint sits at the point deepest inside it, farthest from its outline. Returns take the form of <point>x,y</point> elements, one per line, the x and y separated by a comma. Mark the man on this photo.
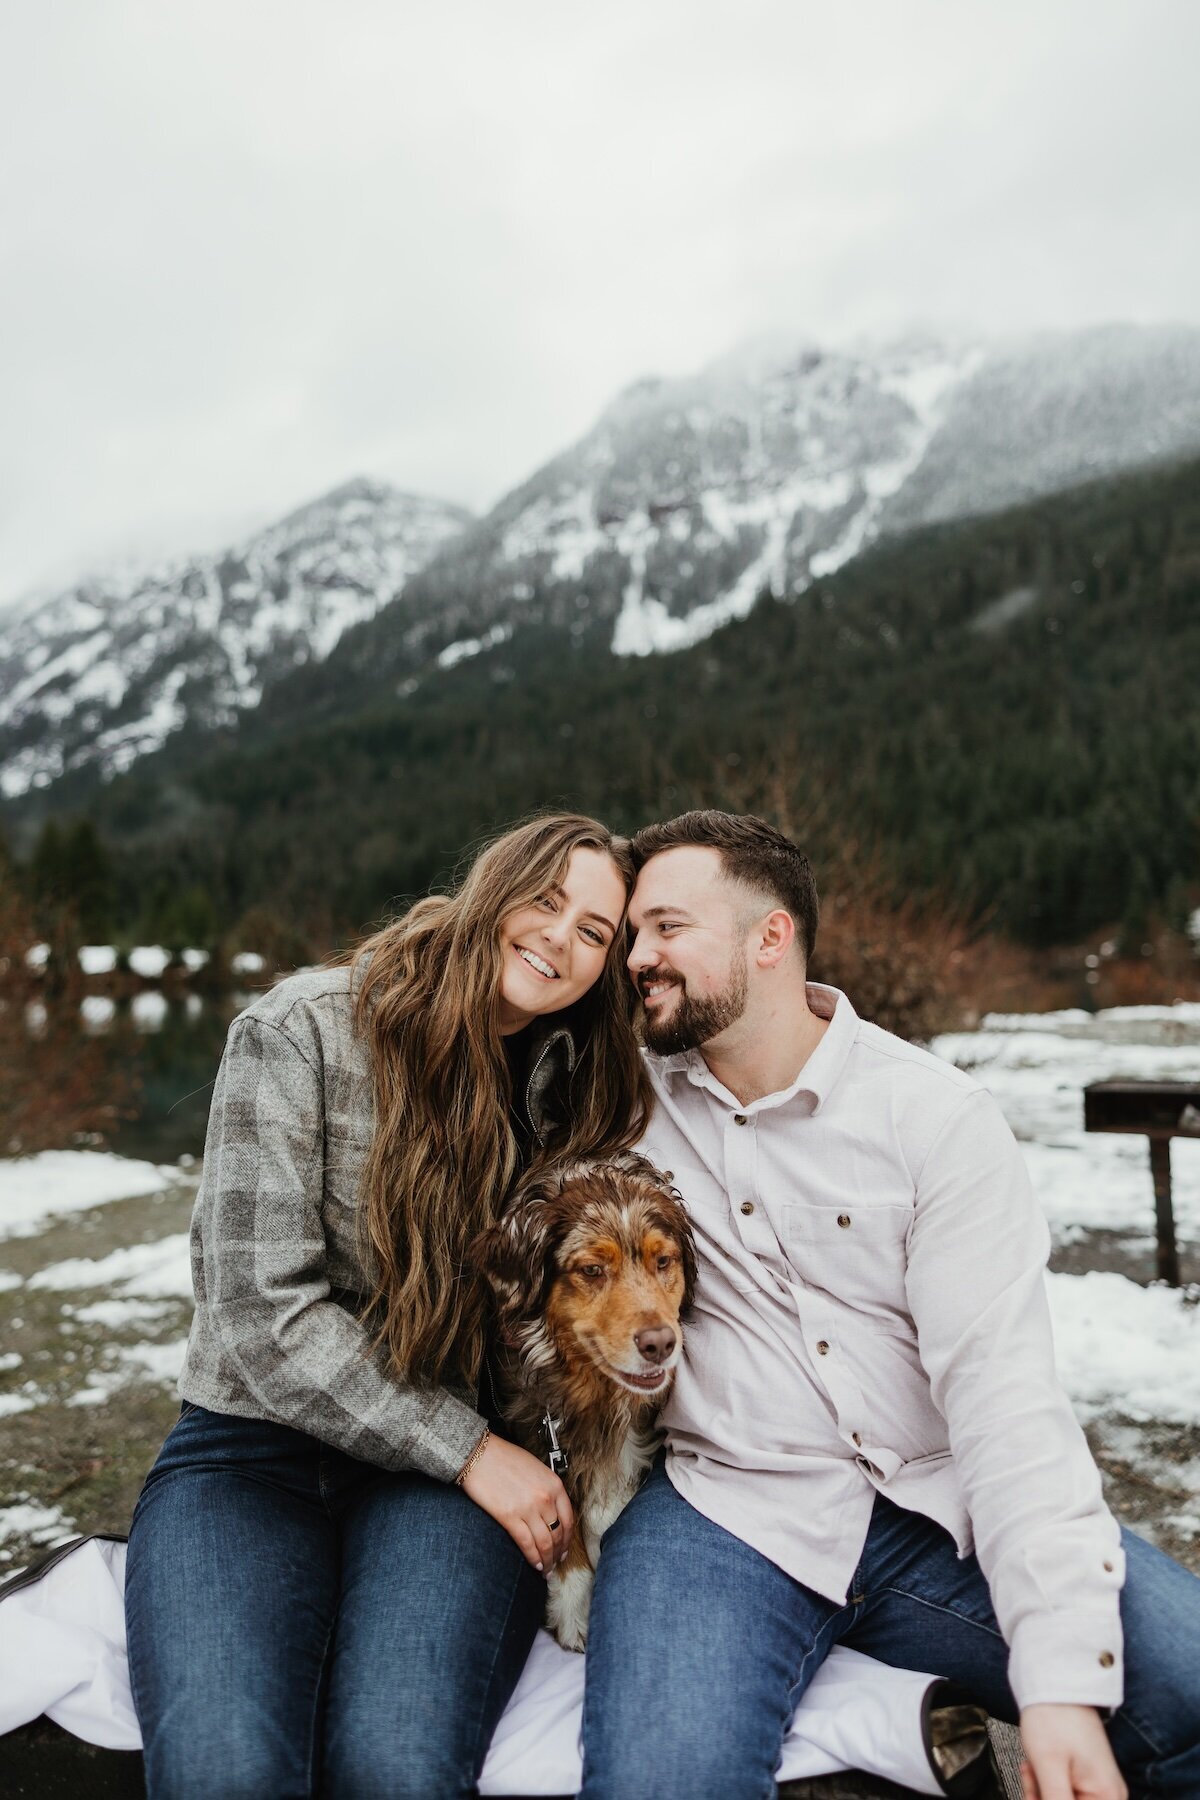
<point>867,1442</point>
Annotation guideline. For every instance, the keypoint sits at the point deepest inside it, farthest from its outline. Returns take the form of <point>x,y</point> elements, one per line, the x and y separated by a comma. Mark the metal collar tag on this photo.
<point>556,1456</point>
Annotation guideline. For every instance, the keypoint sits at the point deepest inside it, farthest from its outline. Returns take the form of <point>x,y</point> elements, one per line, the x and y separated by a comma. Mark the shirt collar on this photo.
<point>818,1076</point>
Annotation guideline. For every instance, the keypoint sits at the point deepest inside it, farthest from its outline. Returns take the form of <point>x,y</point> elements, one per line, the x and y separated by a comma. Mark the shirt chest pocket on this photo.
<point>345,1159</point>
<point>704,1199</point>
<point>856,1255</point>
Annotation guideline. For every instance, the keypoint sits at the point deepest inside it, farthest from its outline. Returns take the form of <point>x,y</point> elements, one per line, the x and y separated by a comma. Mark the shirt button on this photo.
<point>1106,1659</point>
<point>739,1118</point>
<point>855,1437</point>
<point>844,1221</point>
<point>747,1206</point>
<point>822,1348</point>
<point>1108,1568</point>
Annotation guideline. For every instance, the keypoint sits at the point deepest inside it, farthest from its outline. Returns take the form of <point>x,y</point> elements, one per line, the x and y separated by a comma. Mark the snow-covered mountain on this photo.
<point>772,468</point>
<point>687,500</point>
<point>108,669</point>
<point>691,497</point>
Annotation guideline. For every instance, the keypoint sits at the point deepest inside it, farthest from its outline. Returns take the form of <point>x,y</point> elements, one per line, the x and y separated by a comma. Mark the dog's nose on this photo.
<point>656,1342</point>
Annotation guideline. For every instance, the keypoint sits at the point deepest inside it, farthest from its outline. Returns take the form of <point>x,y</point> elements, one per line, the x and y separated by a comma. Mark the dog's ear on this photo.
<point>516,1257</point>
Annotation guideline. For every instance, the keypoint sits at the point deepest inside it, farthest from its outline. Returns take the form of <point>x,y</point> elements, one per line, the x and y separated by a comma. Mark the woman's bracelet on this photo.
<point>474,1457</point>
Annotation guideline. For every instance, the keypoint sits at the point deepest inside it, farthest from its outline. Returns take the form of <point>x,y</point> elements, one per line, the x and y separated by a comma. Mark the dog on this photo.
<point>591,1270</point>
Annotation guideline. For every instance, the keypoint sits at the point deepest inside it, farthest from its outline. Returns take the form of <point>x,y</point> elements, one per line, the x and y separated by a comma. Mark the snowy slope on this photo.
<point>107,670</point>
<point>1053,411</point>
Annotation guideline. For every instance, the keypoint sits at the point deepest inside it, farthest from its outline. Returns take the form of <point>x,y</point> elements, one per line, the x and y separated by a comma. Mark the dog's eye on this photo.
<point>592,1271</point>
<point>664,1263</point>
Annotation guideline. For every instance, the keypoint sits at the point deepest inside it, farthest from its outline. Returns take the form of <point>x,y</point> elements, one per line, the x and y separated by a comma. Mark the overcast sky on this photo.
<point>249,248</point>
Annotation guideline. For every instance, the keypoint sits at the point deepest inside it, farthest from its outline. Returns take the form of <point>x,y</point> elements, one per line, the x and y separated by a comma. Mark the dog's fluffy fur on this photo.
<point>588,1258</point>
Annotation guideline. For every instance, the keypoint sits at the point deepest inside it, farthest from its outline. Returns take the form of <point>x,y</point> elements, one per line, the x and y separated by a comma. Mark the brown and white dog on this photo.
<point>591,1268</point>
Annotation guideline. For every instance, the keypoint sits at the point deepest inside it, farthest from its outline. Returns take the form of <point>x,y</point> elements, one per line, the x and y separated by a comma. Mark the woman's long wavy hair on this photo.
<point>443,1155</point>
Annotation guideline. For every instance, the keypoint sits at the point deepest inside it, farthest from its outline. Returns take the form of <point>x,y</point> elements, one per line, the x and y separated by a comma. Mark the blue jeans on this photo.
<point>300,1622</point>
<point>699,1649</point>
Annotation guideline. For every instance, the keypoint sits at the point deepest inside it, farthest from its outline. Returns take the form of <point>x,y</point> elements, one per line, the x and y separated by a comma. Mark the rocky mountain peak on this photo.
<point>105,671</point>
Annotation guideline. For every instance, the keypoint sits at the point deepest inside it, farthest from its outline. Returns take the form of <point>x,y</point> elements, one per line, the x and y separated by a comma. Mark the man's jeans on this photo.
<point>300,1622</point>
<point>699,1649</point>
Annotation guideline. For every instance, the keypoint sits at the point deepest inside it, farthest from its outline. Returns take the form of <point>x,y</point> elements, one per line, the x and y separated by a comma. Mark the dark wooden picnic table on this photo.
<point>1157,1111</point>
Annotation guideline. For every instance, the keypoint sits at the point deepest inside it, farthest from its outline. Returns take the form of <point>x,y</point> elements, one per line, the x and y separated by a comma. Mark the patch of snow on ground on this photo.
<point>116,1314</point>
<point>149,1270</point>
<point>138,1362</point>
<point>42,1524</point>
<point>158,1362</point>
<point>98,1389</point>
<point>1037,1068</point>
<point>36,1188</point>
<point>1126,1349</point>
<point>1114,1023</point>
<point>8,1281</point>
<point>15,1403</point>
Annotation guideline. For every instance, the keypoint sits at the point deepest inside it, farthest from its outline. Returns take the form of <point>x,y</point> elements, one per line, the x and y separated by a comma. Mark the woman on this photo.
<point>335,1566</point>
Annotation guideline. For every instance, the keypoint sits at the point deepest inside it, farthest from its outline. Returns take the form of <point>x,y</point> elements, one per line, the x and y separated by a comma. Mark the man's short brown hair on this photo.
<point>752,852</point>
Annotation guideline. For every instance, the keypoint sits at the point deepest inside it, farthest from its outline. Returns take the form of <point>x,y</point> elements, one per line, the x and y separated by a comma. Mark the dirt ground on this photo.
<point>84,1460</point>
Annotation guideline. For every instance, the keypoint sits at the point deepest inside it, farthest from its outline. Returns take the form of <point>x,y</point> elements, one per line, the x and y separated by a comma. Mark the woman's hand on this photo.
<point>524,1496</point>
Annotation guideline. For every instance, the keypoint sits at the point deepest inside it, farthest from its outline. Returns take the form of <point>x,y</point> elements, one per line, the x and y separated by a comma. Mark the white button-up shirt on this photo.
<point>871,1316</point>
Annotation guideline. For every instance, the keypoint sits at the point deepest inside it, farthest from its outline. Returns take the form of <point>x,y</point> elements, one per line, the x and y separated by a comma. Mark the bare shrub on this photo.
<point>56,1085</point>
<point>899,958</point>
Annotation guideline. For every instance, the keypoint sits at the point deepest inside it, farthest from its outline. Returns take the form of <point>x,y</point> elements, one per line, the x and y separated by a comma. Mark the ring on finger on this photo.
<point>553,1525</point>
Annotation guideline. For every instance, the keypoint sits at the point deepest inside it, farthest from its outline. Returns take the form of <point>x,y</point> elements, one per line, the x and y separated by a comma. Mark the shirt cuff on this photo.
<point>1068,1659</point>
<point>446,1439</point>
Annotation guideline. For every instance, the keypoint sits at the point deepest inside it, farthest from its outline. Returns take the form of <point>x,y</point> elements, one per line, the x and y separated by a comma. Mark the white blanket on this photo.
<point>62,1652</point>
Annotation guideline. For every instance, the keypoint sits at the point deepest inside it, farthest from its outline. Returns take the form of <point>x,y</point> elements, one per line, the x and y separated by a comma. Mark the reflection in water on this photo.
<point>149,1010</point>
<point>170,1048</point>
<point>97,1012</point>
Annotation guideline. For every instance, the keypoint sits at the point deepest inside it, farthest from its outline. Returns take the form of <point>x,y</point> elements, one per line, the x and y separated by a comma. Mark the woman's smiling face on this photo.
<point>555,948</point>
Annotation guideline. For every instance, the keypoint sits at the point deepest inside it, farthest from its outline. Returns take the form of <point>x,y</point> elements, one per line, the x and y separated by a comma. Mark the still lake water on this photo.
<point>172,1053</point>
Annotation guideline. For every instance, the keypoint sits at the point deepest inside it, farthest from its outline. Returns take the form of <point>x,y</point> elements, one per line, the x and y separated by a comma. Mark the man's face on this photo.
<point>688,960</point>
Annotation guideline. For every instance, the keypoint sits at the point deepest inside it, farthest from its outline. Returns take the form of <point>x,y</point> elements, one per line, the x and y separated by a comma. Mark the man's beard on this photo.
<point>695,1022</point>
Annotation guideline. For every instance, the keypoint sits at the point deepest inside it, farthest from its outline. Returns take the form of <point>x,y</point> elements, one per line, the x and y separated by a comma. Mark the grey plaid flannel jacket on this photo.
<point>276,1262</point>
